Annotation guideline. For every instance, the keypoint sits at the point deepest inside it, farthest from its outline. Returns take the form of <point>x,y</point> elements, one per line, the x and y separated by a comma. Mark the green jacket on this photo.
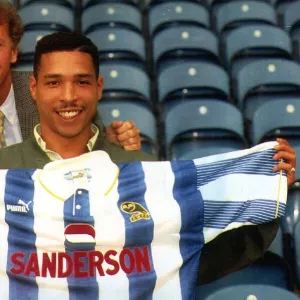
<point>227,253</point>
<point>28,154</point>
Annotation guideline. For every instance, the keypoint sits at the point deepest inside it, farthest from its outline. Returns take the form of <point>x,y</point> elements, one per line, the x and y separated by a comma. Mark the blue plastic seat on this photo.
<point>251,42</point>
<point>169,13</point>
<point>215,4</point>
<point>119,44</point>
<point>66,3</point>
<point>291,19</point>
<point>88,3</point>
<point>125,81</point>
<point>43,16</point>
<point>184,42</point>
<point>111,15</point>
<point>265,80</point>
<point>292,211</point>
<point>271,269</point>
<point>237,13</point>
<point>279,117</point>
<point>139,114</point>
<point>28,43</point>
<point>202,127</point>
<point>195,79</point>
<point>257,291</point>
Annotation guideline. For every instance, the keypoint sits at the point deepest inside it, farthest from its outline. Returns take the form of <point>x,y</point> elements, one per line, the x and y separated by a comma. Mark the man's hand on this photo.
<point>288,154</point>
<point>124,134</point>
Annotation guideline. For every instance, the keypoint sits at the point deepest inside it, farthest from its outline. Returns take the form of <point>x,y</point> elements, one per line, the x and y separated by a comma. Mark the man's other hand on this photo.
<point>124,134</point>
<point>288,155</point>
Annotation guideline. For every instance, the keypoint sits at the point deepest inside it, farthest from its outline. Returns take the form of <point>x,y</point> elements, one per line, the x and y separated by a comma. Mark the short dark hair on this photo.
<point>9,16</point>
<point>65,41</point>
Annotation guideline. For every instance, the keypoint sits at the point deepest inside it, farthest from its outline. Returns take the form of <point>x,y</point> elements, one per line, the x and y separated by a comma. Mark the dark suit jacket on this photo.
<point>229,252</point>
<point>26,107</point>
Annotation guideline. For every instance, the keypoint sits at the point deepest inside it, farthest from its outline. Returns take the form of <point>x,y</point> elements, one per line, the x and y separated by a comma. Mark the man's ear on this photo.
<point>14,55</point>
<point>100,84</point>
<point>32,87</point>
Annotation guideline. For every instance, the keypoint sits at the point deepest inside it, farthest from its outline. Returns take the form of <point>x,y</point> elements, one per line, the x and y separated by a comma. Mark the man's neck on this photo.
<point>67,147</point>
<point>5,88</point>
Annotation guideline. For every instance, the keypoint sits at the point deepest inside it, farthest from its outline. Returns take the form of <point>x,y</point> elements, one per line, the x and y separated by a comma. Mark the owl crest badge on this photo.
<point>136,210</point>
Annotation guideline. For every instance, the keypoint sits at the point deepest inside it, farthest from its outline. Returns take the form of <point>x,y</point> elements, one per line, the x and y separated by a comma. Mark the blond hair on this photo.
<point>9,16</point>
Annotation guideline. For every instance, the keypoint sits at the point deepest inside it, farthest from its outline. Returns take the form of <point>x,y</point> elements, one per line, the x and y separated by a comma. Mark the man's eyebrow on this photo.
<point>52,76</point>
<point>84,75</point>
<point>49,76</point>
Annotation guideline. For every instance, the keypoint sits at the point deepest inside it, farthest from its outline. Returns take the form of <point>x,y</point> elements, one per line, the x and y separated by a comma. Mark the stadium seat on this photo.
<point>292,211</point>
<point>125,81</point>
<point>192,80</point>
<point>119,44</point>
<point>169,13</point>
<point>291,19</point>
<point>266,80</point>
<point>184,42</point>
<point>215,4</point>
<point>251,42</point>
<point>234,14</point>
<point>111,15</point>
<point>28,43</point>
<point>271,269</point>
<point>87,3</point>
<point>66,3</point>
<point>43,16</point>
<point>139,114</point>
<point>249,292</point>
<point>202,127</point>
<point>279,117</point>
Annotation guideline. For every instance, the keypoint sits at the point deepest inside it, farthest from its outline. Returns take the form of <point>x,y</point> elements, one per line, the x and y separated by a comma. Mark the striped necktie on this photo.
<point>2,137</point>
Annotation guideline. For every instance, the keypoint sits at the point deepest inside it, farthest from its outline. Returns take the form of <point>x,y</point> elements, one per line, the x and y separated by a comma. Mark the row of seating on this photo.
<point>183,42</point>
<point>228,15</point>
<point>200,128</point>
<point>255,83</point>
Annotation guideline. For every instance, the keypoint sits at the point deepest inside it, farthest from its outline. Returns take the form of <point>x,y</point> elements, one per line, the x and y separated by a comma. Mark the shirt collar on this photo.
<point>55,156</point>
<point>9,107</point>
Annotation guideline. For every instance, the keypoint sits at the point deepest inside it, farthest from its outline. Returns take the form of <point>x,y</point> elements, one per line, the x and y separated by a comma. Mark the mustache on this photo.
<point>67,104</point>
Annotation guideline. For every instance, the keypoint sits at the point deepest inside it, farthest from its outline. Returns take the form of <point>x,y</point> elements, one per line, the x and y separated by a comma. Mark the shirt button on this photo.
<point>78,206</point>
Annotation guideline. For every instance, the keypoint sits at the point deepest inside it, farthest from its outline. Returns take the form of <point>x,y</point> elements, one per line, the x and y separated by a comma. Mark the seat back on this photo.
<point>256,291</point>
<point>255,41</point>
<point>276,115</point>
<point>47,17</point>
<point>139,114</point>
<point>233,14</point>
<point>119,44</point>
<point>111,15</point>
<point>277,77</point>
<point>194,78</point>
<point>183,42</point>
<point>163,15</point>
<point>202,120</point>
<point>125,81</point>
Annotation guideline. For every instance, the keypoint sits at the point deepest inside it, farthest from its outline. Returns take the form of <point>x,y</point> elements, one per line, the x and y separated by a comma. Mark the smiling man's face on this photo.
<point>67,92</point>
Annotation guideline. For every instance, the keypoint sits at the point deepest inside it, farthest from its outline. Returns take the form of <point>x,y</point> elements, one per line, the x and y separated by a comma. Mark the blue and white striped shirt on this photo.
<point>85,228</point>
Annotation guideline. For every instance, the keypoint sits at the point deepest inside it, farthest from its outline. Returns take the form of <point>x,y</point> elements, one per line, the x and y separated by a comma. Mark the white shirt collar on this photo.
<point>55,156</point>
<point>9,107</point>
<point>56,177</point>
